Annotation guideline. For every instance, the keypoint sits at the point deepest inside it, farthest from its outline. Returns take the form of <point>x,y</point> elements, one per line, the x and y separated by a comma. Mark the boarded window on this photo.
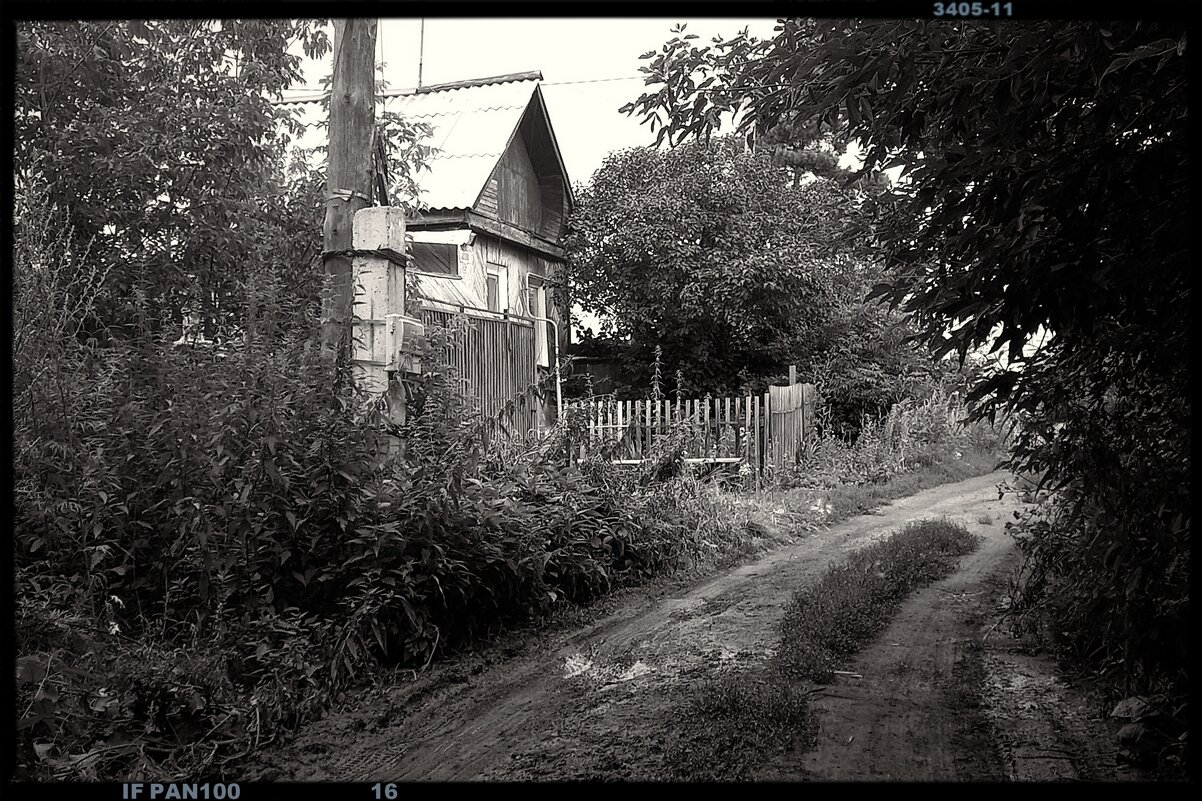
<point>431,257</point>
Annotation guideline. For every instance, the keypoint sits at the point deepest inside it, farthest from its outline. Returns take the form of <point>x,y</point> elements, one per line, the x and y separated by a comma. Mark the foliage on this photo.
<point>726,726</point>
<point>157,141</point>
<point>1041,190</point>
<point>210,542</point>
<point>709,253</point>
<point>239,504</point>
<point>854,600</point>
<point>865,360</point>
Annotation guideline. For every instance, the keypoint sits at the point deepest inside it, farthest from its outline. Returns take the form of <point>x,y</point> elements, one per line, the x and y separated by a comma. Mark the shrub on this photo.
<point>1107,571</point>
<point>240,505</point>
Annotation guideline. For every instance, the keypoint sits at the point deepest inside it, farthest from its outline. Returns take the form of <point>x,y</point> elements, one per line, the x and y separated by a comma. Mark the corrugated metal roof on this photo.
<point>472,124</point>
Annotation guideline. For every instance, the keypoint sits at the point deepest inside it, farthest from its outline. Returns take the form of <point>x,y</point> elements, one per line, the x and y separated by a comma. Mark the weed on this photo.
<point>726,725</point>
<point>852,601</point>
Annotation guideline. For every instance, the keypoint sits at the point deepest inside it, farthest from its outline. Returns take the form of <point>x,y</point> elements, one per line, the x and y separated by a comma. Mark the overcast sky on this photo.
<point>577,57</point>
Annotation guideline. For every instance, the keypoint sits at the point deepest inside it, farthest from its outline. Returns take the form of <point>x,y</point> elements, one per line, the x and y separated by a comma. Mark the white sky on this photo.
<point>585,115</point>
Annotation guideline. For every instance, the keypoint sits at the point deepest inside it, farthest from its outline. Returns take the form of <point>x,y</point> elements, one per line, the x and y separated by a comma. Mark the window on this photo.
<point>431,257</point>
<point>492,282</point>
<point>497,287</point>
<point>537,306</point>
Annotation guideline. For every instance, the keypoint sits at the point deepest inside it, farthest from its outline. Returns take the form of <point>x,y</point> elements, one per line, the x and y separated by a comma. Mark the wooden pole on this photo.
<point>348,170</point>
<point>792,374</point>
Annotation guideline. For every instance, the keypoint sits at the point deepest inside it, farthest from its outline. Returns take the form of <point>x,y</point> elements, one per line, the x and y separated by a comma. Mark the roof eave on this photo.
<point>563,170</point>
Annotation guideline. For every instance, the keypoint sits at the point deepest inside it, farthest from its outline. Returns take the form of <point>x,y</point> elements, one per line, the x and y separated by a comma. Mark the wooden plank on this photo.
<point>747,424</point>
<point>620,417</point>
<point>757,420</point>
<point>482,224</point>
<point>769,411</point>
<point>640,414</point>
<point>647,424</point>
<point>726,420</point>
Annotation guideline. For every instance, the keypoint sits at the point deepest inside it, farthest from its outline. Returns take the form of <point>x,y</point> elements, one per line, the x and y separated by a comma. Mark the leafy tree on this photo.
<point>1044,186</point>
<point>864,359</point>
<point>709,252</point>
<point>158,142</point>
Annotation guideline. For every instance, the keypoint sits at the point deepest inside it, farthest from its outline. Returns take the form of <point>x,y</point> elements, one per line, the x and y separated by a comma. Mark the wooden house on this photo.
<point>488,241</point>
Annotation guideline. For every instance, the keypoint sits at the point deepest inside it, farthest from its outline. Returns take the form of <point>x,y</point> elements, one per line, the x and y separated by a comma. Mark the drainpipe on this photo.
<point>558,380</point>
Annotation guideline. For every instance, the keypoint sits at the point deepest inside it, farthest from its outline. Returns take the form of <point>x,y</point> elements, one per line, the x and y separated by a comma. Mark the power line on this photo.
<point>593,80</point>
<point>303,93</point>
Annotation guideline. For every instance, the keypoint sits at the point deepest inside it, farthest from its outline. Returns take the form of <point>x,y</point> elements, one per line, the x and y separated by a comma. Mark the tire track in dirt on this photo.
<point>944,695</point>
<point>585,704</point>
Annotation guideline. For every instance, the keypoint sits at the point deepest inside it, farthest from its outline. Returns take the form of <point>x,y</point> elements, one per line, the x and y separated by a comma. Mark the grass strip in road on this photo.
<point>852,601</point>
<point>724,727</point>
<point>728,725</point>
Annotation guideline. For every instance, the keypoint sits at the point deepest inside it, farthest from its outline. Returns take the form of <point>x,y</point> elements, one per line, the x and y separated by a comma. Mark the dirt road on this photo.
<point>590,703</point>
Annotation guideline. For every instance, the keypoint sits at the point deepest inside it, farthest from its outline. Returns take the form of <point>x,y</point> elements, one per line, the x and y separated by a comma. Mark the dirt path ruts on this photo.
<point>945,695</point>
<point>547,714</point>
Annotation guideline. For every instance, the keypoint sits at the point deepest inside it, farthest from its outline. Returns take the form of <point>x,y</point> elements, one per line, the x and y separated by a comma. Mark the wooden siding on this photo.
<point>527,189</point>
<point>519,198</point>
<point>790,421</point>
<point>487,203</point>
<point>435,257</point>
<point>522,263</point>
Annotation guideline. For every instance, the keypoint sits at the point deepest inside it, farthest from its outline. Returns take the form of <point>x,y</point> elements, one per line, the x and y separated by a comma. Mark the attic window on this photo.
<point>435,258</point>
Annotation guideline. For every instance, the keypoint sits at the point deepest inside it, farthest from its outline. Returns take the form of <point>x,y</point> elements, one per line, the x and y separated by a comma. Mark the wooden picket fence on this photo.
<point>757,430</point>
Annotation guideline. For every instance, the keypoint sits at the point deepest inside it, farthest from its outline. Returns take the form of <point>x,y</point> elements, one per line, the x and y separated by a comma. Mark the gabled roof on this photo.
<point>473,123</point>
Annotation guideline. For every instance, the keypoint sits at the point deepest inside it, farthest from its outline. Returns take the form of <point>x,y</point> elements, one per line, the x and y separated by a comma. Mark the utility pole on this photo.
<point>348,170</point>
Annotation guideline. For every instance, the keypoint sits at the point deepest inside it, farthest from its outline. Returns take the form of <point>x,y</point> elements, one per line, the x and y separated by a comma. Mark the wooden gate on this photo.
<point>790,412</point>
<point>495,361</point>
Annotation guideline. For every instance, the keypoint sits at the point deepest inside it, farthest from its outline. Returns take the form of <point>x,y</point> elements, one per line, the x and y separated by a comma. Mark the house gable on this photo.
<point>529,187</point>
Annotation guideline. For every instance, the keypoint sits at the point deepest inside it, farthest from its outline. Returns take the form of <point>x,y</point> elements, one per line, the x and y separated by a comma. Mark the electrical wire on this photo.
<point>592,80</point>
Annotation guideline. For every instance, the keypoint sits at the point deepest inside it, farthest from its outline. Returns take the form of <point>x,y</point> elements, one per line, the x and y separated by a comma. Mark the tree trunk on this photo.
<point>348,170</point>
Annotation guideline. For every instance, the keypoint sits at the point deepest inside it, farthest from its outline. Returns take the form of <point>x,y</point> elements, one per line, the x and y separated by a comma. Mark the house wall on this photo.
<point>474,261</point>
<point>468,286</point>
<point>482,253</point>
<point>515,189</point>
<point>521,263</point>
